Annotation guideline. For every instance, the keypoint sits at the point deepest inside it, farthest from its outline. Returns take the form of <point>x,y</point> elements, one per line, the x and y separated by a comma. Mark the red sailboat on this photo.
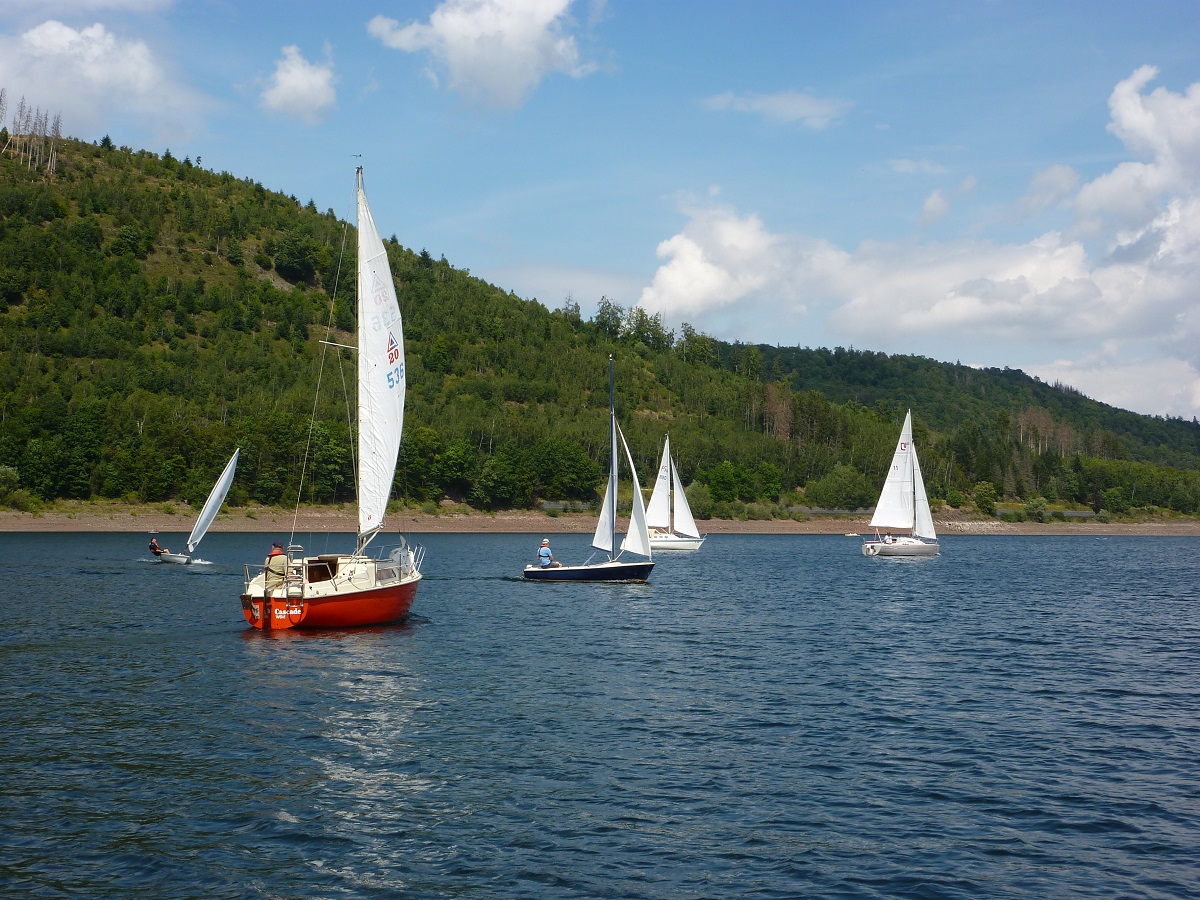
<point>340,590</point>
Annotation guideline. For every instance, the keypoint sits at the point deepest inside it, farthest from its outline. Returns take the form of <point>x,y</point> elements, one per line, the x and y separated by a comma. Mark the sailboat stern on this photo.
<point>335,591</point>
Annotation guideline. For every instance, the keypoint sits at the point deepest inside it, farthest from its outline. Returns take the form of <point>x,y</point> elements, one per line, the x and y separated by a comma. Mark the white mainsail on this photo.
<point>213,504</point>
<point>895,507</point>
<point>658,510</point>
<point>607,524</point>
<point>381,376</point>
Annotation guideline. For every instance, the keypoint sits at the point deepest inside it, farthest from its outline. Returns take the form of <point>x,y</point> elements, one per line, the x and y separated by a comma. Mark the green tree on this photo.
<point>844,487</point>
<point>699,499</point>
<point>1115,500</point>
<point>728,482</point>
<point>609,318</point>
<point>985,498</point>
<point>1036,509</point>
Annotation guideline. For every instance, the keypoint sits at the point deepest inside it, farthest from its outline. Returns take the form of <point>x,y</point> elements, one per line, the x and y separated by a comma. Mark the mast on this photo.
<point>612,473</point>
<point>670,487</point>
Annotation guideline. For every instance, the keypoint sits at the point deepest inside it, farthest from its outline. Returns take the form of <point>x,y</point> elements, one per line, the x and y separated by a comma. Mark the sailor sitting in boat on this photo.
<point>546,559</point>
<point>274,569</point>
<point>157,550</point>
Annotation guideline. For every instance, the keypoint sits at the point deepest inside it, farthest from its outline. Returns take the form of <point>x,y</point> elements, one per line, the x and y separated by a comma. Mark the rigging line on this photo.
<point>312,419</point>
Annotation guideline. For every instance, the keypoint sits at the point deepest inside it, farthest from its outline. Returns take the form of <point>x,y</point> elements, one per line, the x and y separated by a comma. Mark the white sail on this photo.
<point>923,518</point>
<point>895,507</point>
<point>213,504</point>
<point>638,538</point>
<point>603,539</point>
<point>658,512</point>
<point>381,376</point>
<point>685,524</point>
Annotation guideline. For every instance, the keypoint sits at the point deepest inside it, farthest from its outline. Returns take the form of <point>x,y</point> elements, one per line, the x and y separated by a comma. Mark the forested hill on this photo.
<point>154,315</point>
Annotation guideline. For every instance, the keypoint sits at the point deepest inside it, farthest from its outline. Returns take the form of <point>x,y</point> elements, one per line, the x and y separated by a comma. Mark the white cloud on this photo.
<point>93,76</point>
<point>935,207</point>
<point>1163,129</point>
<point>784,107</point>
<point>717,260</point>
<point>493,51</point>
<point>1049,188</point>
<point>1119,315</point>
<point>1161,387</point>
<point>299,89</point>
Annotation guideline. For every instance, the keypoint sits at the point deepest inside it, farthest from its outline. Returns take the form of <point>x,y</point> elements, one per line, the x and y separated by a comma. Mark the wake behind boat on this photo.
<point>339,590</point>
<point>672,526</point>
<point>209,512</point>
<point>903,505</point>
<point>637,540</point>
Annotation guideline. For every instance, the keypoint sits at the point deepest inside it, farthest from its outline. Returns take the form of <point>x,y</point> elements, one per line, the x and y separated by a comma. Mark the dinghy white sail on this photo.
<point>208,512</point>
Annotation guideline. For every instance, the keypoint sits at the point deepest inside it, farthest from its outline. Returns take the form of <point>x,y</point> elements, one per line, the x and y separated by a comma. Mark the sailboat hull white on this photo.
<point>179,559</point>
<point>901,546</point>
<point>669,541</point>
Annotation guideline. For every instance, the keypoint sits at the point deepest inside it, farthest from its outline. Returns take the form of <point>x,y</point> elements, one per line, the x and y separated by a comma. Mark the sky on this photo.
<point>1006,184</point>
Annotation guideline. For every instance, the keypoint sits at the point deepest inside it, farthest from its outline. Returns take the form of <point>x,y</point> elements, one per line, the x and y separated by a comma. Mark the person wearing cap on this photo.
<point>545,558</point>
<point>275,567</point>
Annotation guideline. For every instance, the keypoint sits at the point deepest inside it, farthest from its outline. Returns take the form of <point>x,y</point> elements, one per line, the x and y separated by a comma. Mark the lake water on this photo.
<point>774,716</point>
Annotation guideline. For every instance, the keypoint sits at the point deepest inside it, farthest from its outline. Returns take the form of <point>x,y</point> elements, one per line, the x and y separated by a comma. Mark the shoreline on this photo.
<point>89,517</point>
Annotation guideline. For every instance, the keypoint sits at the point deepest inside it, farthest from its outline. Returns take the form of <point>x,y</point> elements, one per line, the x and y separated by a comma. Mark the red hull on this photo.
<point>380,606</point>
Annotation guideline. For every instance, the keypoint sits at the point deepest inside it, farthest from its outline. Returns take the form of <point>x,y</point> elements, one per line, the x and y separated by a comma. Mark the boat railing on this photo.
<point>408,557</point>
<point>293,578</point>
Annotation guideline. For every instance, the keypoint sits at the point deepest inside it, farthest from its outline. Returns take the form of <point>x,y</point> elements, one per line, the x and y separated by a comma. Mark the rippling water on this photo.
<point>772,716</point>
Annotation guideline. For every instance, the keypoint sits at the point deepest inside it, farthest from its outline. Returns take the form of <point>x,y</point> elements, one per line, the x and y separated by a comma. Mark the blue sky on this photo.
<point>995,183</point>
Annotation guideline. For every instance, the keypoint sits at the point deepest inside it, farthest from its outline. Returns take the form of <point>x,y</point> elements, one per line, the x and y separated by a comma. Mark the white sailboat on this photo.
<point>338,590</point>
<point>903,505</point>
<point>636,541</point>
<point>672,526</point>
<point>209,512</point>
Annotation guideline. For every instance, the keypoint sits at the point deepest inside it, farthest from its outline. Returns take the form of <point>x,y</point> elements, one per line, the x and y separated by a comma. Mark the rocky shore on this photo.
<point>71,517</point>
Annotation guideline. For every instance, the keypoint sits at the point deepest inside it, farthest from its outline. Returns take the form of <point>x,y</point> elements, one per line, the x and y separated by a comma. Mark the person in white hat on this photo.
<point>545,558</point>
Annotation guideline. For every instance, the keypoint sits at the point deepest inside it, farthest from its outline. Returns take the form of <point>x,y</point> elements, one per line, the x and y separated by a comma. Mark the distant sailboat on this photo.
<point>668,515</point>
<point>337,590</point>
<point>637,540</point>
<point>209,512</point>
<point>903,505</point>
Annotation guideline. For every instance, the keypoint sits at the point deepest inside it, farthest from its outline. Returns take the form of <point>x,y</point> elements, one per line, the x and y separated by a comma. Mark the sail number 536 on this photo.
<point>395,377</point>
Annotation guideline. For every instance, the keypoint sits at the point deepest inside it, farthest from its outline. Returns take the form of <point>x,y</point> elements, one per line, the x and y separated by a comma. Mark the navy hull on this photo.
<point>605,571</point>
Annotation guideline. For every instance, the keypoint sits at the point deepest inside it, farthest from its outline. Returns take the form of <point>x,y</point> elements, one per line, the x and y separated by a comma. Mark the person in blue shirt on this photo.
<point>545,558</point>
